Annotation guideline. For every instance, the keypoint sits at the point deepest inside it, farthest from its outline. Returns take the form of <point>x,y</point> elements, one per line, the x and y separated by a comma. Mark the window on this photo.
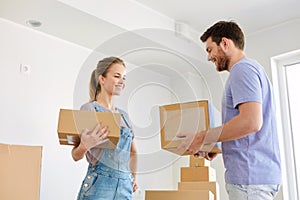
<point>292,72</point>
<point>285,73</point>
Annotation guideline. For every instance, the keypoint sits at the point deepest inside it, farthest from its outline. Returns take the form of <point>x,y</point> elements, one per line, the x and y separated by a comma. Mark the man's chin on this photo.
<point>220,69</point>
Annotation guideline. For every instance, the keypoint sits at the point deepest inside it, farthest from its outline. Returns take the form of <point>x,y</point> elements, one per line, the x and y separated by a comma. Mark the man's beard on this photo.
<point>222,61</point>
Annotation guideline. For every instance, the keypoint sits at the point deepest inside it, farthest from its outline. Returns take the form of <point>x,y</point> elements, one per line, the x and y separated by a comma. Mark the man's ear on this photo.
<point>224,44</point>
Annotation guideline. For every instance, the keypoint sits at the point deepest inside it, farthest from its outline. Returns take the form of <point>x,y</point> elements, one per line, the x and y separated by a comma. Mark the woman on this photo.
<point>111,172</point>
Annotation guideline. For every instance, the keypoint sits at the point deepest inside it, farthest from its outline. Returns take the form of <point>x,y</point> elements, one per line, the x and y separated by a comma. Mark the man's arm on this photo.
<point>248,120</point>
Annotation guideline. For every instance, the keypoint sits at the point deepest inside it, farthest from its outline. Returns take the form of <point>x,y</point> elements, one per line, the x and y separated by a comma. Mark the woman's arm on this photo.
<point>133,164</point>
<point>78,152</point>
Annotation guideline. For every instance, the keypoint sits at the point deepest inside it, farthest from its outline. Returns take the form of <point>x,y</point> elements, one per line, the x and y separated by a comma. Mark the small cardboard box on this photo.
<point>190,174</point>
<point>20,172</point>
<point>178,194</point>
<point>190,117</point>
<point>72,122</point>
<point>198,162</point>
<point>211,186</point>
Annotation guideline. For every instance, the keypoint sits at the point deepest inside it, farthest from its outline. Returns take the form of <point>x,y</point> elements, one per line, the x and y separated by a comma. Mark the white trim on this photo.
<point>278,64</point>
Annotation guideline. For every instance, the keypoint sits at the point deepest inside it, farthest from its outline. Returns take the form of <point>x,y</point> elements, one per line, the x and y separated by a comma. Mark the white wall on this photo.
<point>59,79</point>
<point>30,105</point>
<point>145,92</point>
<point>273,41</point>
<point>30,102</point>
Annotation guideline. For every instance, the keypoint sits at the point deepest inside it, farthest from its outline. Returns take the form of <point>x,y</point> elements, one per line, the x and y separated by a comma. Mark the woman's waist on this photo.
<point>111,169</point>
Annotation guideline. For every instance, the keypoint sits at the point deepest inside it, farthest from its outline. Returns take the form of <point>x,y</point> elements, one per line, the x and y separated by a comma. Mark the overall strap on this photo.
<point>125,118</point>
<point>123,114</point>
<point>97,107</point>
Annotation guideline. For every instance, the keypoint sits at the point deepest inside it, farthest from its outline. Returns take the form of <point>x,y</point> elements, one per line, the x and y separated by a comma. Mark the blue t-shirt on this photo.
<point>254,159</point>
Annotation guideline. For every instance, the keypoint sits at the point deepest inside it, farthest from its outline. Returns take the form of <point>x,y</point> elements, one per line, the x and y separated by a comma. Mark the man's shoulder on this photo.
<point>250,62</point>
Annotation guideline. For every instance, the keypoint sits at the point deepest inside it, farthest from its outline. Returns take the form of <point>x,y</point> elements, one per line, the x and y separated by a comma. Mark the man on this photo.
<point>248,134</point>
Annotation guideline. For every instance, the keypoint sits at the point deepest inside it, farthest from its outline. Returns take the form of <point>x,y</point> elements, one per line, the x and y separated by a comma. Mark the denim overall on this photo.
<point>110,178</point>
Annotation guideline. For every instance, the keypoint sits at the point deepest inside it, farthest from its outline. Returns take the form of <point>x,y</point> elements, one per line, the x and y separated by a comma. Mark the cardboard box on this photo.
<point>191,117</point>
<point>198,162</point>
<point>20,172</point>
<point>190,174</point>
<point>211,186</point>
<point>178,195</point>
<point>72,122</point>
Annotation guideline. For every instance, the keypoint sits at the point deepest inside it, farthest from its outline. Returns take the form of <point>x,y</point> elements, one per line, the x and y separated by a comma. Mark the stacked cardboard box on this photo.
<point>20,172</point>
<point>199,176</point>
<point>179,195</point>
<point>197,182</point>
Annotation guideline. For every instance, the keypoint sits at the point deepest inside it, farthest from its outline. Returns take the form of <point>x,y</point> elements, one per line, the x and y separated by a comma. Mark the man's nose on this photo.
<point>209,57</point>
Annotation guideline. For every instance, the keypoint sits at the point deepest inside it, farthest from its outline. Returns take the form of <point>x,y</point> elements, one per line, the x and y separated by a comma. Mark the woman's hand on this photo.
<point>92,138</point>
<point>88,140</point>
<point>134,185</point>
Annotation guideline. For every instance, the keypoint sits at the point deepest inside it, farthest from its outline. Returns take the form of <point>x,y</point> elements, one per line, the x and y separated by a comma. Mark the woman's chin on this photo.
<point>117,93</point>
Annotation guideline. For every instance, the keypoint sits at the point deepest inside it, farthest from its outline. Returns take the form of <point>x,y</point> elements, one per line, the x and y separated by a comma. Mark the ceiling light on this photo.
<point>34,23</point>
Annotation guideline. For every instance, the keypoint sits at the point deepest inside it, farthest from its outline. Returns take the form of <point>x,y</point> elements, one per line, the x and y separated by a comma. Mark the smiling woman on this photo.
<point>111,172</point>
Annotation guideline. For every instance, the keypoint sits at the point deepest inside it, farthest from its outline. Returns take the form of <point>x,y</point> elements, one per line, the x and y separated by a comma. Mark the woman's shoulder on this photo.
<point>122,111</point>
<point>88,106</point>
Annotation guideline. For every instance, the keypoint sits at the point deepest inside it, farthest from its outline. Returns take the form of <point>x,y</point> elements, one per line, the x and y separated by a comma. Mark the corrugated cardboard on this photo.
<point>211,186</point>
<point>72,122</point>
<point>190,117</point>
<point>178,195</point>
<point>20,172</point>
<point>189,174</point>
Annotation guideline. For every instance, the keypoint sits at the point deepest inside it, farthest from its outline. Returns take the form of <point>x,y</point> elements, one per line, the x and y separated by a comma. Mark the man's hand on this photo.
<point>210,156</point>
<point>192,142</point>
<point>206,155</point>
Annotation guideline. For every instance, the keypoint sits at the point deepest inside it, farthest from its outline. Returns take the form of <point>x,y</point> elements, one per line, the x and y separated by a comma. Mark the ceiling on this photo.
<point>104,25</point>
<point>253,16</point>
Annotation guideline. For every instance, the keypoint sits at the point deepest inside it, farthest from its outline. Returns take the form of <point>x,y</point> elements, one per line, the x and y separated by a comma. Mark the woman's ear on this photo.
<point>101,79</point>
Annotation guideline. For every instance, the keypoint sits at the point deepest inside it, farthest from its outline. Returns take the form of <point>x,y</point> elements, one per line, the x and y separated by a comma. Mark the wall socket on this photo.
<point>25,69</point>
